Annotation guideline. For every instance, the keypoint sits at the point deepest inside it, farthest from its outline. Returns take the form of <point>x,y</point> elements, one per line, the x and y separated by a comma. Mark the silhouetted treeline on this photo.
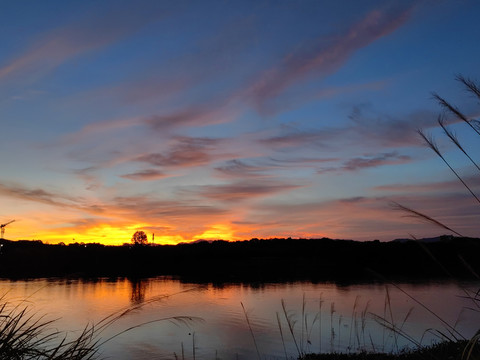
<point>252,260</point>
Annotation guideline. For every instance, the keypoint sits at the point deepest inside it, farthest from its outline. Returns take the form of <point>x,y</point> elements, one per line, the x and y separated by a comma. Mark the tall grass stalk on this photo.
<point>312,326</point>
<point>320,303</point>
<point>454,139</point>
<point>304,304</point>
<point>352,320</point>
<point>340,318</point>
<point>332,331</point>
<point>432,144</point>
<point>251,331</point>
<point>388,306</point>
<point>291,325</point>
<point>193,344</point>
<point>364,322</point>
<point>281,335</point>
<point>25,336</point>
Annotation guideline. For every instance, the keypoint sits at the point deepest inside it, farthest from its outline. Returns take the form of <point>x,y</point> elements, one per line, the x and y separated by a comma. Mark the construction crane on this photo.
<point>2,226</point>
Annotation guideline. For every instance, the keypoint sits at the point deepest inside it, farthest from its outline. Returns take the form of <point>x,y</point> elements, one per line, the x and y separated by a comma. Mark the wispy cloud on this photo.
<point>323,59</point>
<point>293,137</point>
<point>387,130</point>
<point>210,59</point>
<point>61,44</point>
<point>369,161</point>
<point>267,167</point>
<point>237,168</point>
<point>192,116</point>
<point>240,191</point>
<point>186,152</point>
<point>365,129</point>
<point>151,209</point>
<point>42,196</point>
<point>145,175</point>
<point>442,186</point>
<point>87,175</point>
<point>291,100</point>
<point>164,125</point>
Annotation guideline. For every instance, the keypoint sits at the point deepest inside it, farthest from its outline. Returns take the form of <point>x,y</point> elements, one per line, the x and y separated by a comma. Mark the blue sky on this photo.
<point>232,119</point>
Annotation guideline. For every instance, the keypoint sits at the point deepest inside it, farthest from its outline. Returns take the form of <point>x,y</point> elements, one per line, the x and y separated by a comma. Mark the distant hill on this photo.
<point>441,238</point>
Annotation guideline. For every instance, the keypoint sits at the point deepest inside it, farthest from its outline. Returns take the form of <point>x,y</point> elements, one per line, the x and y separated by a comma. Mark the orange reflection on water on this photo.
<point>77,303</point>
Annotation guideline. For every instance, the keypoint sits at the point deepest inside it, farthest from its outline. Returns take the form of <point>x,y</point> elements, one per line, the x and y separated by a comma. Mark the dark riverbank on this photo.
<point>253,261</point>
<point>448,350</point>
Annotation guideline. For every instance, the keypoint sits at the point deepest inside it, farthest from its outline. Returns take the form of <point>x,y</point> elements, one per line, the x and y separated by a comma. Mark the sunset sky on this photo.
<point>233,119</point>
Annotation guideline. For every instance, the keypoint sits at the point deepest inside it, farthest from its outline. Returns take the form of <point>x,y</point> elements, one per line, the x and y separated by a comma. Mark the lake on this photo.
<point>224,317</point>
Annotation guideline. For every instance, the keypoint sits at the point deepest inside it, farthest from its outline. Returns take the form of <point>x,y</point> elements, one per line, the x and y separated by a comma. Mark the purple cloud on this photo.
<point>238,168</point>
<point>365,128</point>
<point>49,198</point>
<point>150,208</point>
<point>369,161</point>
<point>186,153</point>
<point>145,175</point>
<point>244,190</point>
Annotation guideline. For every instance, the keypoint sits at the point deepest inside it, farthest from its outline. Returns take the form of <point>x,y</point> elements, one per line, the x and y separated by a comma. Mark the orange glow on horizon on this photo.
<point>101,233</point>
<point>108,234</point>
<point>117,235</point>
<point>217,232</point>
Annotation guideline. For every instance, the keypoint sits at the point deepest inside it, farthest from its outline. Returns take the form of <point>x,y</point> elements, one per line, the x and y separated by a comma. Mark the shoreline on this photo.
<point>276,260</point>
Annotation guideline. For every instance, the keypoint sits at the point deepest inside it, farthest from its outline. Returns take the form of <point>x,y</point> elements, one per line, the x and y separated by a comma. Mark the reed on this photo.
<point>332,330</point>
<point>289,317</point>
<point>24,336</point>
<point>320,303</point>
<point>251,331</point>
<point>281,335</point>
<point>474,125</point>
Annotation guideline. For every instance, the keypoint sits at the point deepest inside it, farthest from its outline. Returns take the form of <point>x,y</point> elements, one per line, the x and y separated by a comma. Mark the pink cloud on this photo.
<point>46,197</point>
<point>145,175</point>
<point>61,44</point>
<point>185,152</point>
<point>240,191</point>
<point>364,218</point>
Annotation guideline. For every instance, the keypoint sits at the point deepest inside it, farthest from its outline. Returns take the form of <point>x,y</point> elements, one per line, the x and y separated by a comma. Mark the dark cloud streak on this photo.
<point>244,190</point>
<point>369,161</point>
<point>186,152</point>
<point>145,175</point>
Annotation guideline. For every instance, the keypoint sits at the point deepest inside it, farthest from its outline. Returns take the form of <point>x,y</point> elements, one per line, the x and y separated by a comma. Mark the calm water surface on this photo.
<point>335,318</point>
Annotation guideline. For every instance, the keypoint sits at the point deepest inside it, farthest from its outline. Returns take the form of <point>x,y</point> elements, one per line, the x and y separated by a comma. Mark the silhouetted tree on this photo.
<point>139,238</point>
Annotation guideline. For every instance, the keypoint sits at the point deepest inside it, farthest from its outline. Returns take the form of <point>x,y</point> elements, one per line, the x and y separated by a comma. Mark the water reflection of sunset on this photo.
<point>223,327</point>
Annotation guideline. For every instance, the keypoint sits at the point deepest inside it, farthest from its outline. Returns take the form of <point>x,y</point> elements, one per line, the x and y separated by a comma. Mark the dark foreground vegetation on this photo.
<point>253,260</point>
<point>444,351</point>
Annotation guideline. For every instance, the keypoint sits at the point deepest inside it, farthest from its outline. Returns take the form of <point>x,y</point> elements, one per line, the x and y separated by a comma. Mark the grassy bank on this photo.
<point>443,351</point>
